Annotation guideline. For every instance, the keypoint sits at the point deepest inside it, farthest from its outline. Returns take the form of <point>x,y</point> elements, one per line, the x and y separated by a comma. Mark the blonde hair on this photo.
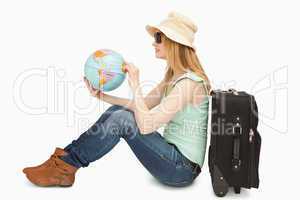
<point>181,57</point>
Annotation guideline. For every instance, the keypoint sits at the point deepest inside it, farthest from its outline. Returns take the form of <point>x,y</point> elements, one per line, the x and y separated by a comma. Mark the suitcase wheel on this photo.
<point>219,183</point>
<point>237,190</point>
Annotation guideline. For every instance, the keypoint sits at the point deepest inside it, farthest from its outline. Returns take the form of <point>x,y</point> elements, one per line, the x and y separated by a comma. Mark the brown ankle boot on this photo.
<point>53,172</point>
<point>58,152</point>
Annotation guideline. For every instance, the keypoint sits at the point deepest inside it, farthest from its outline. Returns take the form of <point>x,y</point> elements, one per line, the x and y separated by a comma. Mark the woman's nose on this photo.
<point>154,44</point>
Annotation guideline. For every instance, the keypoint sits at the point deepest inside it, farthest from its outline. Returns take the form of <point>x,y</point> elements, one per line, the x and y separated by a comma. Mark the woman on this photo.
<point>179,101</point>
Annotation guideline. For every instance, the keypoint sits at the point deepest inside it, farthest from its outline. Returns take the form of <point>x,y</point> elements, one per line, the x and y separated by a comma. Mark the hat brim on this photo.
<point>151,29</point>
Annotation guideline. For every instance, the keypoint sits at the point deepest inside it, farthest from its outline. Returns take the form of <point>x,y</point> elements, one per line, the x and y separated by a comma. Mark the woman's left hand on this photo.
<point>94,92</point>
<point>134,75</point>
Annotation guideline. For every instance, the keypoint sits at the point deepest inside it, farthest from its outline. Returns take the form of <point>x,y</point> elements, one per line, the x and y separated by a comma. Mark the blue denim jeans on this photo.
<point>162,159</point>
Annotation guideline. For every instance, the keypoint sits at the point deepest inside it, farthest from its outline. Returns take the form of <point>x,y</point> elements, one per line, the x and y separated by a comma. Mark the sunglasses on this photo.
<point>157,37</point>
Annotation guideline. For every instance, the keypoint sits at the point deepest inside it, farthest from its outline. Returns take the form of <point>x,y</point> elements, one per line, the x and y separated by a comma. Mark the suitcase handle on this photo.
<point>236,161</point>
<point>230,90</point>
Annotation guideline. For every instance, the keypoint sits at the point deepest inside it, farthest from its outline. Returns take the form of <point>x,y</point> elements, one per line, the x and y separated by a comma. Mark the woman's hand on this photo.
<point>94,92</point>
<point>134,75</point>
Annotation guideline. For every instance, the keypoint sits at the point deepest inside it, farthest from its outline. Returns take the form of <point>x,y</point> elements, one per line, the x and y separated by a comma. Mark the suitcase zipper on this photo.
<point>251,157</point>
<point>251,135</point>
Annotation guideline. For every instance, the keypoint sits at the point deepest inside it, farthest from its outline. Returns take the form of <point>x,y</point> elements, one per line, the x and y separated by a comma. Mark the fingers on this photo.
<point>92,90</point>
<point>87,83</point>
<point>126,67</point>
<point>85,80</point>
<point>129,67</point>
<point>95,92</point>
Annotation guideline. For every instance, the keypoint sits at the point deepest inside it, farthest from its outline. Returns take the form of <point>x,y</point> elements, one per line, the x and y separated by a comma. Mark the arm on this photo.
<point>151,100</point>
<point>149,120</point>
<point>116,100</point>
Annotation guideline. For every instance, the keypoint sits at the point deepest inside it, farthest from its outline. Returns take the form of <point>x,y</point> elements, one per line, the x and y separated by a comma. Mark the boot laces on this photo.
<point>53,160</point>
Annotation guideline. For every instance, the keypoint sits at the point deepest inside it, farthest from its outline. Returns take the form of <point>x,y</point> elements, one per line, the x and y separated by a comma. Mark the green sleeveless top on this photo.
<point>188,128</point>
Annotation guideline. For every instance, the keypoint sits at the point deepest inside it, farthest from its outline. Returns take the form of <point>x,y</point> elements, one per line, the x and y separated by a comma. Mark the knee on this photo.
<point>114,108</point>
<point>126,121</point>
<point>122,114</point>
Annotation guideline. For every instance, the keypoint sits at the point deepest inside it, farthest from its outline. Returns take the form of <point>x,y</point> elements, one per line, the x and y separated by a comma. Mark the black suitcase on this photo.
<point>235,142</point>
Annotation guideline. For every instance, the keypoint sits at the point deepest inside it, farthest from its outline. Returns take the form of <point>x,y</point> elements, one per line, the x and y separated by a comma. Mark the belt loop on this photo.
<point>197,169</point>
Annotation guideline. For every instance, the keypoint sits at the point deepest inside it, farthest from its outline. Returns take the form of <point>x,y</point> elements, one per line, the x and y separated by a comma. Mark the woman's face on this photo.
<point>160,51</point>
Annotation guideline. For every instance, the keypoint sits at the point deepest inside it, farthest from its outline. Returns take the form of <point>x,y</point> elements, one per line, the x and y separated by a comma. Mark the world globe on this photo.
<point>105,69</point>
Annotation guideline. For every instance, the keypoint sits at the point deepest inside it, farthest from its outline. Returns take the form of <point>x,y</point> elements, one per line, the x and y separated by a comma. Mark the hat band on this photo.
<point>178,27</point>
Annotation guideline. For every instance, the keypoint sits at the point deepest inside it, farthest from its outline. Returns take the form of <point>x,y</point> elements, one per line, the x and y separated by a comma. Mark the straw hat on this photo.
<point>176,27</point>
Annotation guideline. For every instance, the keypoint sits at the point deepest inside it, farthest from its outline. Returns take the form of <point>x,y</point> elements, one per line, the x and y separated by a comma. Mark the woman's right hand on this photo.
<point>94,92</point>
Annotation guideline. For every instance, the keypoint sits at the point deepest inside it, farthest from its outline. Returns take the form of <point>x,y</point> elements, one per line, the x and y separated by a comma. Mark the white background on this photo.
<point>247,45</point>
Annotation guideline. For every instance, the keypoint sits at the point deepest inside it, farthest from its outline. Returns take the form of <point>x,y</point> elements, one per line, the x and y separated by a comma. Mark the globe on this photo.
<point>105,70</point>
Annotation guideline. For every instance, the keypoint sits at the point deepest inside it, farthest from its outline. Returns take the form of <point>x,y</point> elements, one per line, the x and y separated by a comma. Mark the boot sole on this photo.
<point>44,185</point>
